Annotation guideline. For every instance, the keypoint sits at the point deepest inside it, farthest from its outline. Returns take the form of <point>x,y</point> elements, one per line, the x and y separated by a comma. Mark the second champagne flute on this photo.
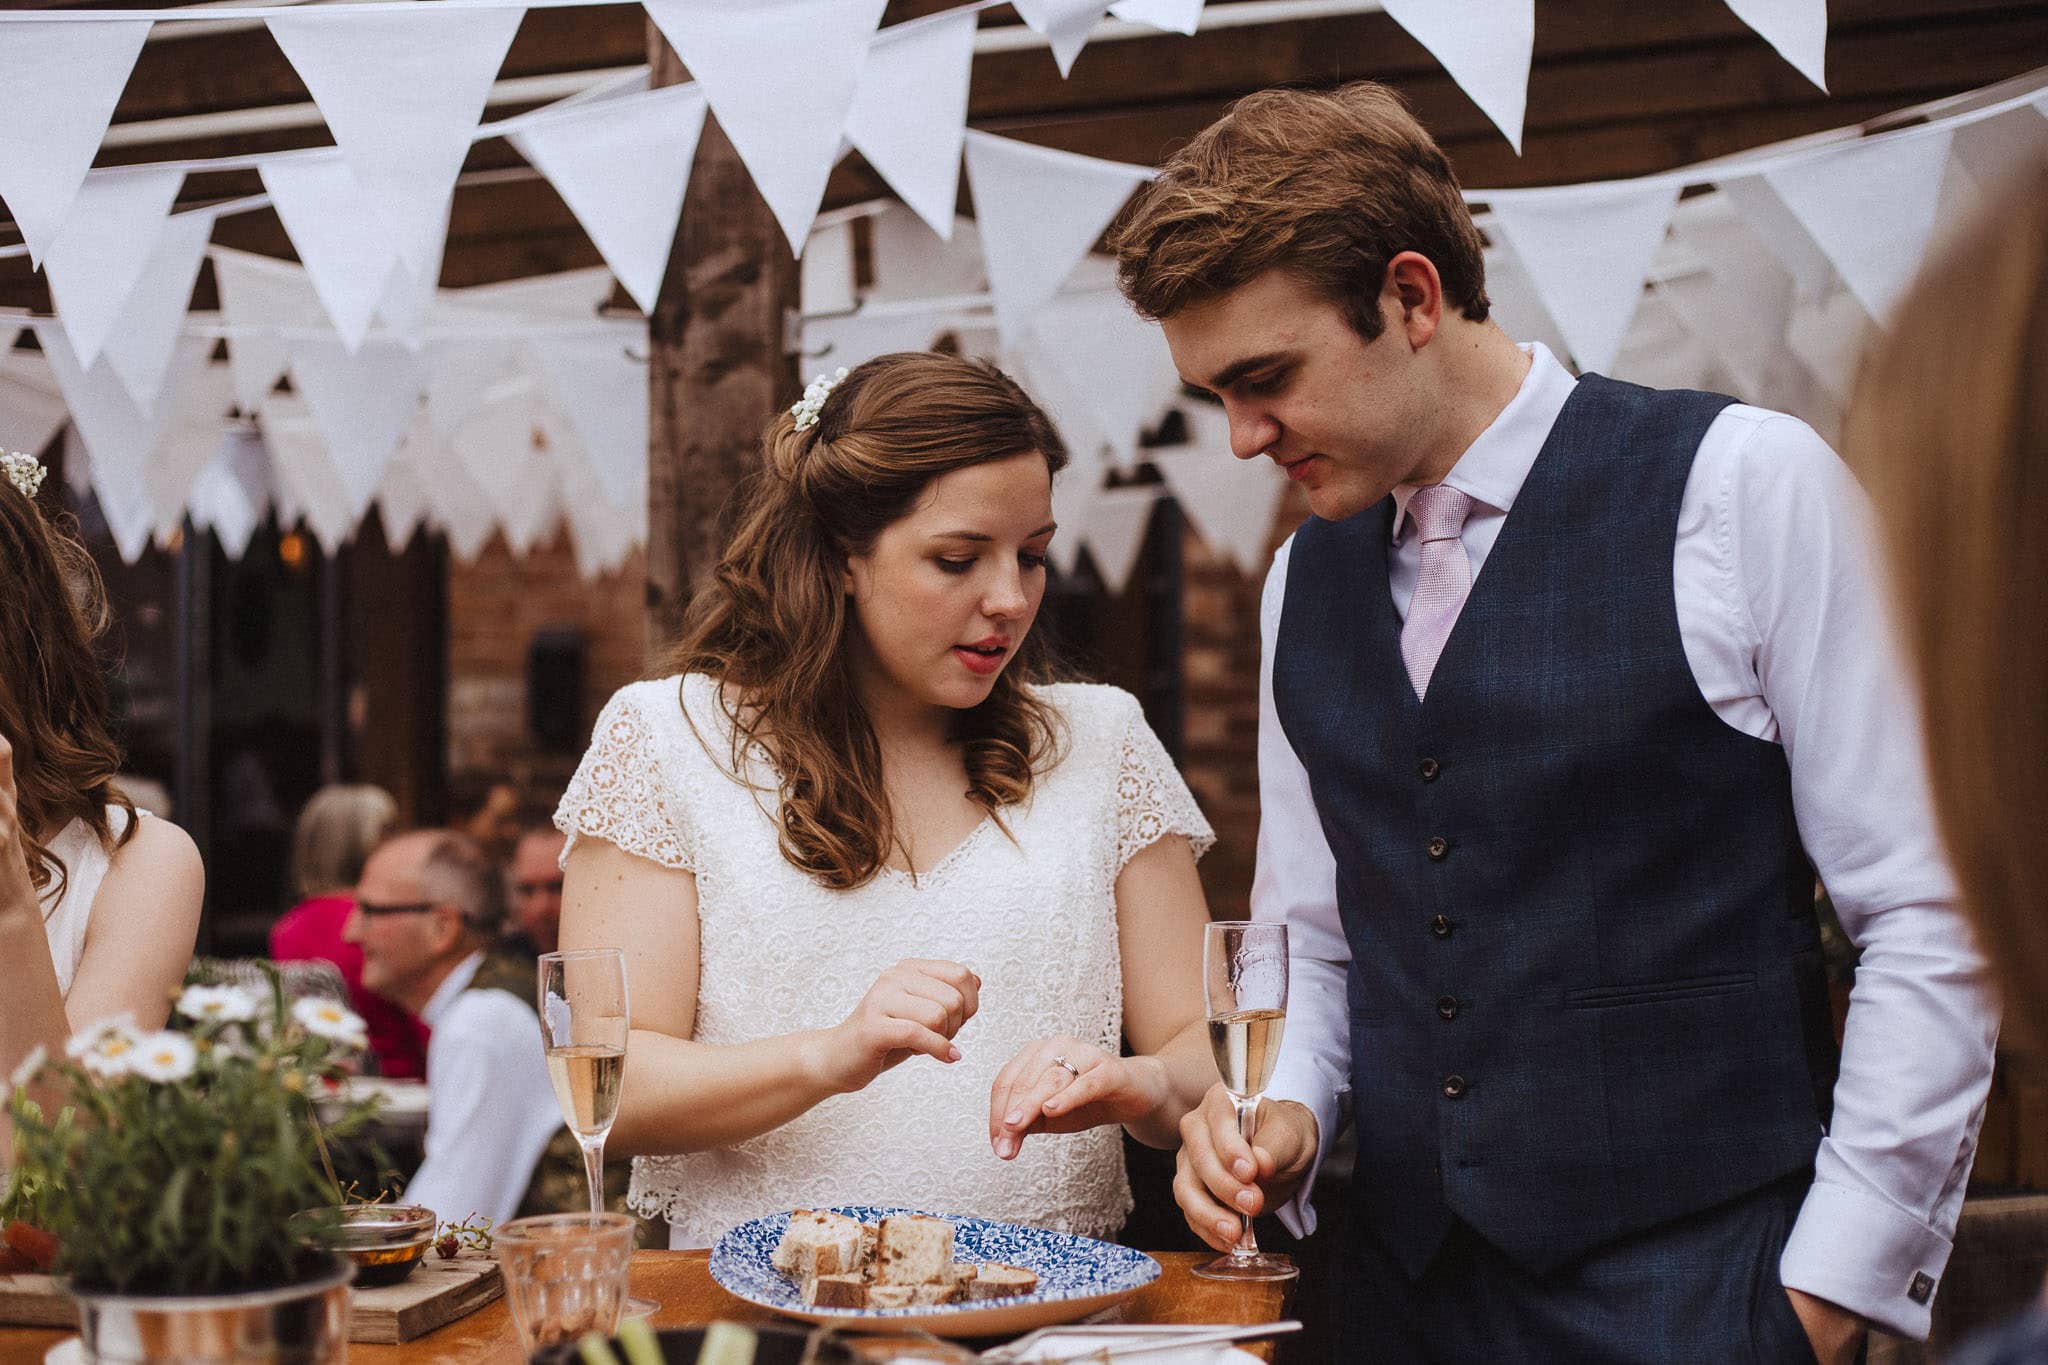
<point>1244,987</point>
<point>584,1020</point>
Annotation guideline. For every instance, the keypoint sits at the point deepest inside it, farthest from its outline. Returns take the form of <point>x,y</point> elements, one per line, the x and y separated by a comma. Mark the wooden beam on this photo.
<point>718,366</point>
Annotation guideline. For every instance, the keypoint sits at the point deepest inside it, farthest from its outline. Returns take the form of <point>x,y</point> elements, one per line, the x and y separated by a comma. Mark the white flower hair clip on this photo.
<point>26,472</point>
<point>807,408</point>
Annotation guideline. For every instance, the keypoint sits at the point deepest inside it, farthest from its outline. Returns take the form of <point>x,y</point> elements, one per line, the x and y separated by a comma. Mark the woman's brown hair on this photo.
<point>1329,185</point>
<point>772,625</point>
<point>53,691</point>
<point>1949,428</point>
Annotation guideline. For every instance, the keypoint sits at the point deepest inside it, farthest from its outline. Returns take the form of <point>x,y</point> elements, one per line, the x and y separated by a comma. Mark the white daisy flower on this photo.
<point>30,1065</point>
<point>112,1053</point>
<point>217,1004</point>
<point>88,1038</point>
<point>326,1019</point>
<point>164,1057</point>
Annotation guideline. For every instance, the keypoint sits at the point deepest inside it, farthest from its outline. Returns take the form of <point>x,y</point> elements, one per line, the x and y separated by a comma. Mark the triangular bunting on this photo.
<point>118,433</point>
<point>1811,270</point>
<point>193,436</point>
<point>1797,28</point>
<point>31,413</point>
<point>508,447</point>
<point>781,76</point>
<point>323,209</point>
<point>308,488</point>
<point>1739,304</point>
<point>1065,24</point>
<point>2005,151</point>
<point>1231,502</point>
<point>258,297</point>
<point>1485,45</point>
<point>402,91</point>
<point>140,348</point>
<point>362,404</point>
<point>1074,490</point>
<point>459,374</point>
<point>622,165</point>
<point>1117,522</point>
<point>230,494</point>
<point>1512,296</point>
<point>910,114</point>
<point>59,83</point>
<point>1039,211</point>
<point>407,302</point>
<point>832,342</point>
<point>1116,361</point>
<point>1175,16</point>
<point>603,392</point>
<point>1588,251</point>
<point>1871,206</point>
<point>103,247</point>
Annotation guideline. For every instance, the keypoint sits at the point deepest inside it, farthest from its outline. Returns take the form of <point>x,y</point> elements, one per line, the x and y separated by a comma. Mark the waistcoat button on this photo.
<point>1441,926</point>
<point>1447,1007</point>
<point>1430,768</point>
<point>1454,1086</point>
<point>1438,847</point>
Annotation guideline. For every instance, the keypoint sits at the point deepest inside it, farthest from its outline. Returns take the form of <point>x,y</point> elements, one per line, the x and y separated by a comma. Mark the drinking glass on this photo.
<point>583,1024</point>
<point>1244,988</point>
<point>565,1274</point>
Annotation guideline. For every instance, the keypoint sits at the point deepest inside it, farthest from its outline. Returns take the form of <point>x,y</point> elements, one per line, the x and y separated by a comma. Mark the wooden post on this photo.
<point>717,366</point>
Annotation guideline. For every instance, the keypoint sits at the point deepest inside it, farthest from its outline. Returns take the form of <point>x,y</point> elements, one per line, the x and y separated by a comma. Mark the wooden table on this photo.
<point>681,1281</point>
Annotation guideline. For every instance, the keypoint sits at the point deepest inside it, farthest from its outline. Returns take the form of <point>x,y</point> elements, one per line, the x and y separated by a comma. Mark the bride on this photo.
<point>888,902</point>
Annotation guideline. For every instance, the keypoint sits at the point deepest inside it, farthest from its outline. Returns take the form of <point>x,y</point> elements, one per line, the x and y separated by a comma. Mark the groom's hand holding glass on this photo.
<point>1218,1176</point>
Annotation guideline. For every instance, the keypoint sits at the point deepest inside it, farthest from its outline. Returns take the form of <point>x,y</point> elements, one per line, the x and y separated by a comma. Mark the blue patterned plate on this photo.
<point>1076,1277</point>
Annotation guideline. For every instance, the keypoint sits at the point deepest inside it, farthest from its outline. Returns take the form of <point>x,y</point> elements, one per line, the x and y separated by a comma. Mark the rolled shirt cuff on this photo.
<point>1867,1255</point>
<point>1305,1088</point>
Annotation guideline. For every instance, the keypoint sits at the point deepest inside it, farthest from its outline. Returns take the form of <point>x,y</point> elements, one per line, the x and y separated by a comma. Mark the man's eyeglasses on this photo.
<point>524,889</point>
<point>374,908</point>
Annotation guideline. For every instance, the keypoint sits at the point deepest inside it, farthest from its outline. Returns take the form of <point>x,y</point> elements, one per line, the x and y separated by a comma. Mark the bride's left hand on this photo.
<point>1034,1093</point>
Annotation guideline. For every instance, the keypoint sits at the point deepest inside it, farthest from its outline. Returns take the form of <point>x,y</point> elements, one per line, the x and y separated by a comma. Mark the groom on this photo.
<point>1570,687</point>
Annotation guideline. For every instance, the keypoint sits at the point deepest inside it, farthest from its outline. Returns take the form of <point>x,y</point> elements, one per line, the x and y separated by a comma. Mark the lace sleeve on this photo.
<point>1152,799</point>
<point>622,795</point>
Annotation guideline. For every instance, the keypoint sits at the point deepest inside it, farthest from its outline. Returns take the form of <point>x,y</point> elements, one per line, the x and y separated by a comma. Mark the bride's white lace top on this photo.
<point>1034,915</point>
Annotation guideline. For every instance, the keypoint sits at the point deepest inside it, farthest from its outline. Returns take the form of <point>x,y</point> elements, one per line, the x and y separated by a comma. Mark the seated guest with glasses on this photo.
<point>428,906</point>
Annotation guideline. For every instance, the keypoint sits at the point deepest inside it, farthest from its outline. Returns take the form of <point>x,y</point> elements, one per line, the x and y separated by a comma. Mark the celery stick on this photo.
<point>595,1350</point>
<point>727,1343</point>
<point>636,1338</point>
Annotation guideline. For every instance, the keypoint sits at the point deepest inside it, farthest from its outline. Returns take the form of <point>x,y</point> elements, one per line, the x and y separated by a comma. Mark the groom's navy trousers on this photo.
<point>1590,1043</point>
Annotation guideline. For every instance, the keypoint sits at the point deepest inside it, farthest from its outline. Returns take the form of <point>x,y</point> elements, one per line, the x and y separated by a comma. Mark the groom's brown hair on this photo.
<point>1329,185</point>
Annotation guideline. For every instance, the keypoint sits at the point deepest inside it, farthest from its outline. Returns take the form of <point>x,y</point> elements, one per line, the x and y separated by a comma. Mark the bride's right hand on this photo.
<point>915,1006</point>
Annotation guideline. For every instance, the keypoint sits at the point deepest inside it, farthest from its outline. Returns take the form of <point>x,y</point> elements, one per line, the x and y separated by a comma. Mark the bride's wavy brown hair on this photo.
<point>53,691</point>
<point>772,625</point>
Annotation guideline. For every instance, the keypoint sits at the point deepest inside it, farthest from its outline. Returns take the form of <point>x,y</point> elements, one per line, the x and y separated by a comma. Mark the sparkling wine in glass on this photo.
<point>584,1020</point>
<point>1244,988</point>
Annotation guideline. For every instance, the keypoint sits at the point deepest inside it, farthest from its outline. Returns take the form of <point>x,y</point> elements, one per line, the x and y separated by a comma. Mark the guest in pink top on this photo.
<point>335,834</point>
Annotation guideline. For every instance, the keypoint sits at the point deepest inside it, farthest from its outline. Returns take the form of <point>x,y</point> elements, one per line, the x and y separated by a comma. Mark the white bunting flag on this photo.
<point>402,91</point>
<point>601,388</point>
<point>32,411</point>
<point>1117,521</point>
<point>1065,24</point>
<point>1175,16</point>
<point>1485,45</point>
<point>1074,490</point>
<point>1797,28</point>
<point>575,295</point>
<point>1871,207</point>
<point>59,83</point>
<point>508,448</point>
<point>101,250</point>
<point>1588,250</point>
<point>1739,302</point>
<point>259,296</point>
<point>781,75</point>
<point>229,496</point>
<point>1039,211</point>
<point>1115,362</point>
<point>2005,151</point>
<point>1659,352</point>
<point>460,371</point>
<point>622,165</point>
<point>117,431</point>
<point>1513,298</point>
<point>326,214</point>
<point>1231,502</point>
<point>140,347</point>
<point>910,113</point>
<point>407,303</point>
<point>1813,274</point>
<point>911,262</point>
<point>1829,337</point>
<point>203,392</point>
<point>308,487</point>
<point>362,403</point>
<point>832,342</point>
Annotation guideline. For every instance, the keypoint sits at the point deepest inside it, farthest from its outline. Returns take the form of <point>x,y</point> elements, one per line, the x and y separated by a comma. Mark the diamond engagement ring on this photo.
<point>1072,1070</point>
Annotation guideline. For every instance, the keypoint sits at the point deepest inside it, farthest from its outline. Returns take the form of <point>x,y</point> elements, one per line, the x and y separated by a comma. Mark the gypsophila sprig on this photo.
<point>179,1157</point>
<point>807,408</point>
<point>25,472</point>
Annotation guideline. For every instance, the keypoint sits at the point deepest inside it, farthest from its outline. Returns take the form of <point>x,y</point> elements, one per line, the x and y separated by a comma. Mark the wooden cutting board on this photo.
<point>435,1294</point>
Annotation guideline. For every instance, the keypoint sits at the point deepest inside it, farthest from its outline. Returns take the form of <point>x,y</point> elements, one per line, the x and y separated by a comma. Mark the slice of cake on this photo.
<point>994,1280</point>
<point>836,1291</point>
<point>913,1249</point>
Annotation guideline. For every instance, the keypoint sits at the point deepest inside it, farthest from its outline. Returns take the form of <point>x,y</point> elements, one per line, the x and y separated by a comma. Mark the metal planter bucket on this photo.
<point>300,1324</point>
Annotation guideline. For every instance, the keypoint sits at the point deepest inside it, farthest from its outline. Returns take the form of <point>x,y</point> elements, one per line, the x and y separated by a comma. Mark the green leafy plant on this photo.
<point>178,1158</point>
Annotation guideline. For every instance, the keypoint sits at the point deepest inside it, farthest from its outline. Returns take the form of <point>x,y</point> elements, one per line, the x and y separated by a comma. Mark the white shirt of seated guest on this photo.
<point>490,1106</point>
<point>67,911</point>
<point>1775,576</point>
<point>1034,915</point>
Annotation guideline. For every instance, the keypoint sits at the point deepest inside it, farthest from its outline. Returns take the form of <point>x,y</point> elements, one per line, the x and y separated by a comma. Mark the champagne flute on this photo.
<point>1244,987</point>
<point>584,1021</point>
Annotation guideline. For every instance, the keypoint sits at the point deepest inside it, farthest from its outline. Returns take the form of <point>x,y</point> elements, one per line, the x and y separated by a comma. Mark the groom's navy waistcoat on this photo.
<point>1585,984</point>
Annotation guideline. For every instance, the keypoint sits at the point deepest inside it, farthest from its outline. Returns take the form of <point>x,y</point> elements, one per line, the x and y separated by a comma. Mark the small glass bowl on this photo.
<point>384,1240</point>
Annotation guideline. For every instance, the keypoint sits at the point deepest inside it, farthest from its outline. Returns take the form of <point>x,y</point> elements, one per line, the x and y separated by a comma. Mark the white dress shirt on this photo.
<point>1781,613</point>
<point>490,1106</point>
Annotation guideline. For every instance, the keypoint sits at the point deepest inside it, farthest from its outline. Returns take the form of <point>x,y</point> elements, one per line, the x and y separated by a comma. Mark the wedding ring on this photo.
<point>1072,1070</point>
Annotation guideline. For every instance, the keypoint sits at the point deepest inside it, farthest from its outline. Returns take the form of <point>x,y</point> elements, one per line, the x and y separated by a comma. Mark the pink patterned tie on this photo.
<point>1443,584</point>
